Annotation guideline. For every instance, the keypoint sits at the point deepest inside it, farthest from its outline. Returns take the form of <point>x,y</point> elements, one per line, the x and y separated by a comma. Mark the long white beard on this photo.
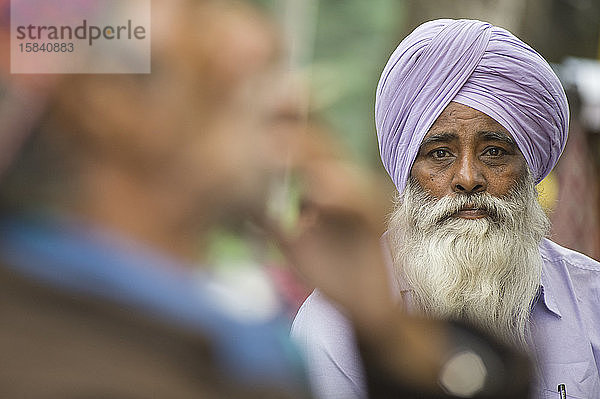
<point>485,271</point>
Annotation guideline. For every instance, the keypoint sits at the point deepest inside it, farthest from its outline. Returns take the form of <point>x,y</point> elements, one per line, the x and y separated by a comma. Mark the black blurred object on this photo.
<point>507,371</point>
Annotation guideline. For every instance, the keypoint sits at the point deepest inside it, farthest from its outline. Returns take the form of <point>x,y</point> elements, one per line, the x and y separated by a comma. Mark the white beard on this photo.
<point>484,271</point>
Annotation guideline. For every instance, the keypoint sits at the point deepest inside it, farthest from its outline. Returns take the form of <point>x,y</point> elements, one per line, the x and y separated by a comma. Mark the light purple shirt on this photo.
<point>565,326</point>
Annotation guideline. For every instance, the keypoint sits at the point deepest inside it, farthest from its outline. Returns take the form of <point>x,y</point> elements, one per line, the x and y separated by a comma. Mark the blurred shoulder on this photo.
<point>319,319</point>
<point>326,338</point>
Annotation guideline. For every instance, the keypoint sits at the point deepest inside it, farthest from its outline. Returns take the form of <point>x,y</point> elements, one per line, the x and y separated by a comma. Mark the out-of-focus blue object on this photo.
<point>90,262</point>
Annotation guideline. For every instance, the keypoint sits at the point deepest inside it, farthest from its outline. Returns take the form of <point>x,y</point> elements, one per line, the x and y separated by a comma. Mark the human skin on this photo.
<point>179,151</point>
<point>468,152</point>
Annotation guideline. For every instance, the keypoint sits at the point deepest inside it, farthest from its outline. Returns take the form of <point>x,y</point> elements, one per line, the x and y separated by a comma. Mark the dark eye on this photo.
<point>439,154</point>
<point>494,152</point>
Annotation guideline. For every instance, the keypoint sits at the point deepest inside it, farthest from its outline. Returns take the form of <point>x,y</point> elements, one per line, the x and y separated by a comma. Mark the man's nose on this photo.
<point>468,177</point>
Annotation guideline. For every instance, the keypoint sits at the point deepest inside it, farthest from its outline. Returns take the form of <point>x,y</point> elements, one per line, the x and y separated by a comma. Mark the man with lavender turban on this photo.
<point>451,253</point>
<point>478,65</point>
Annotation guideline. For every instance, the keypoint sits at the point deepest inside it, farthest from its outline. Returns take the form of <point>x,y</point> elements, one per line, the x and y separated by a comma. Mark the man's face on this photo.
<point>199,129</point>
<point>466,230</point>
<point>467,152</point>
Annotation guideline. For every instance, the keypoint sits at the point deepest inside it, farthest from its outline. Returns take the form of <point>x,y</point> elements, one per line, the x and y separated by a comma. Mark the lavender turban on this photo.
<point>479,65</point>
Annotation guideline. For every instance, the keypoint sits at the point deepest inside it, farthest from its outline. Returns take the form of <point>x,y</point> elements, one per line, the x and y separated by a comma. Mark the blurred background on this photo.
<point>338,49</point>
<point>85,150</point>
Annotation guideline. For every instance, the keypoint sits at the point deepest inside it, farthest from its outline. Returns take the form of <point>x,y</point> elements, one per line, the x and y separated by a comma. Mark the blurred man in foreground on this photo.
<point>469,119</point>
<point>109,203</point>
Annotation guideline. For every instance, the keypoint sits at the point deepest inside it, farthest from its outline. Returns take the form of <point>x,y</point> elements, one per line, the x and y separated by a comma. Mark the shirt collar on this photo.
<point>546,294</point>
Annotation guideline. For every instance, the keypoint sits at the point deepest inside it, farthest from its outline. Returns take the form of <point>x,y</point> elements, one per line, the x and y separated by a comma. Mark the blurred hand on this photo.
<point>336,245</point>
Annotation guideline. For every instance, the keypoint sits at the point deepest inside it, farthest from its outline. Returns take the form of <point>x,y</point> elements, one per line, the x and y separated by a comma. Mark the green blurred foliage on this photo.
<point>353,40</point>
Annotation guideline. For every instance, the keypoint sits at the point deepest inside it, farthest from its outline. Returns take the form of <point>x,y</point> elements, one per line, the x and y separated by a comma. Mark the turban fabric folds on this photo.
<point>479,65</point>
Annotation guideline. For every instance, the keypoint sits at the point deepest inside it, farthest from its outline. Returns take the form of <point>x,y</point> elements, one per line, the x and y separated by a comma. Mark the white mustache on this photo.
<point>435,212</point>
<point>446,207</point>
